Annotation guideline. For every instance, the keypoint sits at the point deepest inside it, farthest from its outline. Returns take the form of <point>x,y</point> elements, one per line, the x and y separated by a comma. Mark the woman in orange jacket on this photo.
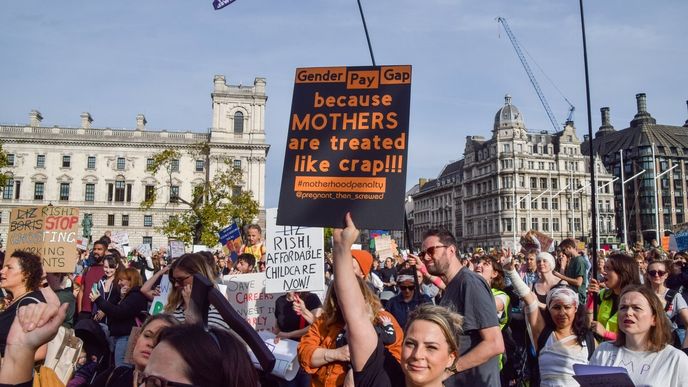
<point>323,351</point>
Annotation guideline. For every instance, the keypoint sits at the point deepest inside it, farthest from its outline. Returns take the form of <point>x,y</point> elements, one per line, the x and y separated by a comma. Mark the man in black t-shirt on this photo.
<point>469,295</point>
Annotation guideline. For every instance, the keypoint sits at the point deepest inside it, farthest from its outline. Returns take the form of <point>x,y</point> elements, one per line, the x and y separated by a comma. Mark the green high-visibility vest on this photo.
<point>605,315</point>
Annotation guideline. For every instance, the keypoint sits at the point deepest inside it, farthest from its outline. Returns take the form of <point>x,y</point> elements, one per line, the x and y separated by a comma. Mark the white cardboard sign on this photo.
<point>294,257</point>
<point>246,293</point>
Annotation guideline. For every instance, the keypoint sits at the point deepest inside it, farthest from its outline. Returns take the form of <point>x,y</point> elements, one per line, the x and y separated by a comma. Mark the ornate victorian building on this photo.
<point>517,180</point>
<point>103,171</point>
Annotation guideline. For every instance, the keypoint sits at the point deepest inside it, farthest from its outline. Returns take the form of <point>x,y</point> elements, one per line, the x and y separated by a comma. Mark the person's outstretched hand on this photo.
<point>346,237</point>
<point>35,325</point>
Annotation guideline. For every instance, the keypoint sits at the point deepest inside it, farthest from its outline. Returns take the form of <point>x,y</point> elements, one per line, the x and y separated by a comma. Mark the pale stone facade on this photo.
<point>516,181</point>
<point>103,171</point>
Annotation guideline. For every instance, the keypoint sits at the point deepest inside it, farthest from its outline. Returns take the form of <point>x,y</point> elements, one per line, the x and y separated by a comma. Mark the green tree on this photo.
<point>212,205</point>
<point>3,164</point>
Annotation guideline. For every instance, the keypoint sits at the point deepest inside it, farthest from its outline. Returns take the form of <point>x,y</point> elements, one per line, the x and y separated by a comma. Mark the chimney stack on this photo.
<point>605,116</point>
<point>86,120</point>
<point>35,118</point>
<point>641,101</point>
<point>686,124</point>
<point>642,117</point>
<point>141,122</point>
<point>606,123</point>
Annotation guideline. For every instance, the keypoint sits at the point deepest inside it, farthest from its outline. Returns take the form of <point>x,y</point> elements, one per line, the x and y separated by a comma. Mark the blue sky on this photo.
<point>120,58</point>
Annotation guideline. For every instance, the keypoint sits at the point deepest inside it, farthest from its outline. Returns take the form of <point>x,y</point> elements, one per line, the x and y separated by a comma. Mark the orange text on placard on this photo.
<point>396,75</point>
<point>363,79</point>
<point>340,184</point>
<point>321,75</point>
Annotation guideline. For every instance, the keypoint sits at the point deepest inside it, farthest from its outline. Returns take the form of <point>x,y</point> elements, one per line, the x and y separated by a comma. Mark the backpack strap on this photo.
<point>669,298</point>
<point>590,343</point>
<point>542,339</point>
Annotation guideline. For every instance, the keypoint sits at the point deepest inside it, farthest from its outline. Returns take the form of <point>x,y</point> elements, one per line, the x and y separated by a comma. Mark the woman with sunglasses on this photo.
<point>563,342</point>
<point>642,344</point>
<point>620,270</point>
<point>401,305</point>
<point>181,275</point>
<point>673,302</point>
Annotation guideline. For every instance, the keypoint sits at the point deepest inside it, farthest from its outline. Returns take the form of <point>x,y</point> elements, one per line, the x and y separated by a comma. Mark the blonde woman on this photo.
<point>430,346</point>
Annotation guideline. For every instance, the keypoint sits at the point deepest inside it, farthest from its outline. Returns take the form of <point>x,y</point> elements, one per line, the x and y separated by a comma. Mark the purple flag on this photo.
<point>219,4</point>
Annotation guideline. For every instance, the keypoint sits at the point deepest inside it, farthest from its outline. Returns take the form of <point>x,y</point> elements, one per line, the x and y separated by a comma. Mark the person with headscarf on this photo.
<point>563,342</point>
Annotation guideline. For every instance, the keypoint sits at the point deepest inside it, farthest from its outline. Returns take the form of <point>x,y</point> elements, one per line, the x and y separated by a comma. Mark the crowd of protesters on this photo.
<point>436,318</point>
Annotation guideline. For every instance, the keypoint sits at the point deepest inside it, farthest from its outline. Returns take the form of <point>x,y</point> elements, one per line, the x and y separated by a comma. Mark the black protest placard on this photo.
<point>347,147</point>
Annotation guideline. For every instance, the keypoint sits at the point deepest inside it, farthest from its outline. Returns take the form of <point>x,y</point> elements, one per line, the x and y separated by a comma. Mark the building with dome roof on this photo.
<point>658,150</point>
<point>519,180</point>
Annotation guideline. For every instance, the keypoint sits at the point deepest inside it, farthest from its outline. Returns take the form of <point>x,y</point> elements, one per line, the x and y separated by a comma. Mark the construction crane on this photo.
<point>534,81</point>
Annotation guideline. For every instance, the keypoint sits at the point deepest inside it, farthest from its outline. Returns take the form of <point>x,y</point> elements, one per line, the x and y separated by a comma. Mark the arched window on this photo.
<point>239,122</point>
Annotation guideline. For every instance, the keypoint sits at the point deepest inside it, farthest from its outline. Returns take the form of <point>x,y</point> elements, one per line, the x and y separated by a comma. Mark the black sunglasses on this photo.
<point>157,381</point>
<point>654,273</point>
<point>179,281</point>
<point>407,287</point>
<point>431,250</point>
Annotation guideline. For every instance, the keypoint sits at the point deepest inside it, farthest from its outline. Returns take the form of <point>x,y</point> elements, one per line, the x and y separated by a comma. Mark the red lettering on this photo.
<point>60,222</point>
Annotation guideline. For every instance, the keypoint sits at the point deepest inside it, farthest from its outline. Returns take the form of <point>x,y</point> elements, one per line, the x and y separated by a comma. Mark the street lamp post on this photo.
<point>551,200</point>
<point>623,203</point>
<point>599,189</point>
<point>654,167</point>
<point>516,203</point>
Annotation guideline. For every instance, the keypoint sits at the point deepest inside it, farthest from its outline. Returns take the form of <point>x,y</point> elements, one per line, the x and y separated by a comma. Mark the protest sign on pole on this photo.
<point>383,247</point>
<point>176,249</point>
<point>120,237</point>
<point>144,249</point>
<point>246,293</point>
<point>230,239</point>
<point>681,235</point>
<point>347,147</point>
<point>199,248</point>
<point>294,258</point>
<point>47,231</point>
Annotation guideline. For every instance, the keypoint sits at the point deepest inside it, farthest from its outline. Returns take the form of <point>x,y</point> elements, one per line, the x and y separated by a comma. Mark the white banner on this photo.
<point>246,293</point>
<point>294,257</point>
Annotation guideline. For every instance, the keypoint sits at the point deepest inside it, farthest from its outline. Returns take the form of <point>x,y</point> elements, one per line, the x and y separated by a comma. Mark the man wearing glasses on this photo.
<point>468,294</point>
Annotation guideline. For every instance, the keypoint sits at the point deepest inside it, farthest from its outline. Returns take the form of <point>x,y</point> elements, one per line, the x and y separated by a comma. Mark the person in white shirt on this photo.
<point>642,345</point>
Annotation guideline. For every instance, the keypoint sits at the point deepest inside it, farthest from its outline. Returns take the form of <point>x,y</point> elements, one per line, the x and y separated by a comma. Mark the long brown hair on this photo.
<point>192,264</point>
<point>332,314</point>
<point>626,268</point>
<point>660,334</point>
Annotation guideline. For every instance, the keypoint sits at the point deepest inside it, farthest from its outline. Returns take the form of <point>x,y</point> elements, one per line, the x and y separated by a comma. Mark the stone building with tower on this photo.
<point>103,171</point>
<point>515,181</point>
<point>657,156</point>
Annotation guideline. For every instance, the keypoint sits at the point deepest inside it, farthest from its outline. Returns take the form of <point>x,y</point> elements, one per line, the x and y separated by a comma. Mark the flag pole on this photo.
<point>593,190</point>
<point>365,28</point>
